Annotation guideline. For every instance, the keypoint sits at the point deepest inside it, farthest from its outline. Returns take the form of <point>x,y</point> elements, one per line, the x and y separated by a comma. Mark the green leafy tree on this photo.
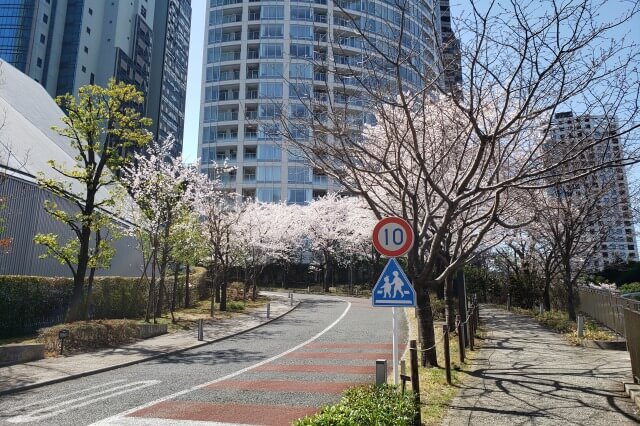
<point>102,125</point>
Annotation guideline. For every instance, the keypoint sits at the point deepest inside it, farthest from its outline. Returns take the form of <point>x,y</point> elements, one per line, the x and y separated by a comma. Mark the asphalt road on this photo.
<point>272,375</point>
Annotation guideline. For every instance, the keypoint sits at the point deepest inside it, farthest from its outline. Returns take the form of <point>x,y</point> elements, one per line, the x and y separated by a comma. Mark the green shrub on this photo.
<point>367,405</point>
<point>234,305</point>
<point>29,303</point>
<point>630,288</point>
<point>88,335</point>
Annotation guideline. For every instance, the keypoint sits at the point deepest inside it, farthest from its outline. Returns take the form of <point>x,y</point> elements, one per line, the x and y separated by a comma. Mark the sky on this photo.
<point>194,81</point>
<point>194,77</point>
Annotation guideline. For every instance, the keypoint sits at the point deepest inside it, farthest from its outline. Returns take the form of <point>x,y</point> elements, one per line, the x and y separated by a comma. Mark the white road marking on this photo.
<point>41,402</point>
<point>71,404</point>
<point>116,420</point>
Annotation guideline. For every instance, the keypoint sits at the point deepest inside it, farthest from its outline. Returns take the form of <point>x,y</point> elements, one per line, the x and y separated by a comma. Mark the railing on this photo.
<point>620,314</point>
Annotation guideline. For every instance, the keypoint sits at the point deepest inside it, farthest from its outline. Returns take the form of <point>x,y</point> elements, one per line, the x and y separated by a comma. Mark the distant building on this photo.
<point>66,44</point>
<point>451,56</point>
<point>618,241</point>
<point>169,60</point>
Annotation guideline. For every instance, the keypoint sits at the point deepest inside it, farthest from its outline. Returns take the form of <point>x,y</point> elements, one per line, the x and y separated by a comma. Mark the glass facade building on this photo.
<point>265,59</point>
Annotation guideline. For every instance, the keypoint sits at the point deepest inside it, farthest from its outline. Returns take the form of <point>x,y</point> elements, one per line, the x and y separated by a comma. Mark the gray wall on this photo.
<point>24,217</point>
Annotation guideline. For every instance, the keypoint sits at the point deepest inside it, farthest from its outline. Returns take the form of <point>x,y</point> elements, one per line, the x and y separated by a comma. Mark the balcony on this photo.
<point>251,115</point>
<point>229,75</point>
<point>252,74</point>
<point>320,76</point>
<point>252,94</point>
<point>229,56</point>
<point>253,35</point>
<point>237,36</point>
<point>320,18</point>
<point>228,116</point>
<point>253,54</point>
<point>227,19</point>
<point>320,180</point>
<point>254,16</point>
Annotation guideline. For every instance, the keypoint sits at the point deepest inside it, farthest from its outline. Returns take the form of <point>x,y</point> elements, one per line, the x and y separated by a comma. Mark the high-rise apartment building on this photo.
<point>266,59</point>
<point>613,229</point>
<point>66,44</point>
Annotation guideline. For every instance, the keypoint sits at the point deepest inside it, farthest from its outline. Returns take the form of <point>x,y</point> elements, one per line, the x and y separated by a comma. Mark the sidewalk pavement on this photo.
<point>526,374</point>
<point>21,377</point>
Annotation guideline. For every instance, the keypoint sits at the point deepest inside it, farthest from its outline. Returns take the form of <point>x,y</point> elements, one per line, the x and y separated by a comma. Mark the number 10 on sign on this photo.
<point>393,237</point>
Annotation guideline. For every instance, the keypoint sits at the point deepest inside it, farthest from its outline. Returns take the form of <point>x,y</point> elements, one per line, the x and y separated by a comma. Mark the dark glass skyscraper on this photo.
<point>66,44</point>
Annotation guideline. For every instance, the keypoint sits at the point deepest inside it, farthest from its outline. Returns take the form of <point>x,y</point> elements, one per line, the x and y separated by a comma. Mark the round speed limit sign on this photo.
<point>393,237</point>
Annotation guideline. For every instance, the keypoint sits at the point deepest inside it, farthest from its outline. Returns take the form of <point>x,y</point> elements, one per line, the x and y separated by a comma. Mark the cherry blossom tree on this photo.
<point>163,188</point>
<point>453,163</point>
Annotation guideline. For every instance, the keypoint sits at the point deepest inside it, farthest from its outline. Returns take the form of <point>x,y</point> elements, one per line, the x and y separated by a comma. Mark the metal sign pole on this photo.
<point>394,341</point>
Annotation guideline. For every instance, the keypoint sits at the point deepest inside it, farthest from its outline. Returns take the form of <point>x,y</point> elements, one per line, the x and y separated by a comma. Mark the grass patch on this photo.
<point>366,405</point>
<point>436,393</point>
<point>234,305</point>
<point>559,322</point>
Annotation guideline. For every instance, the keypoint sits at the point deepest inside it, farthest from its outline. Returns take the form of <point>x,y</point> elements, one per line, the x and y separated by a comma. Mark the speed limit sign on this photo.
<point>392,237</point>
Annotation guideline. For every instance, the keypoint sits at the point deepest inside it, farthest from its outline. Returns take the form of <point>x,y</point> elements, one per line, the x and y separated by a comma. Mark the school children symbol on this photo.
<point>393,287</point>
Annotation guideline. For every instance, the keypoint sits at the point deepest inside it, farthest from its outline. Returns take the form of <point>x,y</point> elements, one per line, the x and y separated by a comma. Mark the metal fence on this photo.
<point>619,314</point>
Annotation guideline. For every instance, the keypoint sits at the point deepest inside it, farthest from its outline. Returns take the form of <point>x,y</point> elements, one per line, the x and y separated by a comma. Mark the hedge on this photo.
<point>367,405</point>
<point>30,303</point>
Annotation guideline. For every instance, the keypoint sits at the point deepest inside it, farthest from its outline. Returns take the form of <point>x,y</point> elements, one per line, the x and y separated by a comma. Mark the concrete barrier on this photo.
<point>151,330</point>
<point>19,353</point>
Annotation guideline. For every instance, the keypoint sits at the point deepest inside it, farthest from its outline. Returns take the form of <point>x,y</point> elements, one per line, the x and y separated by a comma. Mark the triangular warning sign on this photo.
<point>393,288</point>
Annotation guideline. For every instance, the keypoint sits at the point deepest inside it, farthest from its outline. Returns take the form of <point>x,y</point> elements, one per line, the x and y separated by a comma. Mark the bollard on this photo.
<point>580,326</point>
<point>508,301</point>
<point>541,308</point>
<point>268,310</point>
<point>460,338</point>
<point>415,379</point>
<point>308,289</point>
<point>403,368</point>
<point>447,353</point>
<point>381,372</point>
<point>200,330</point>
<point>291,300</point>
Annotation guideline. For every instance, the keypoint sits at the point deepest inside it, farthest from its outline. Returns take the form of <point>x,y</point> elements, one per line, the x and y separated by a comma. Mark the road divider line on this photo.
<point>113,419</point>
<point>72,404</point>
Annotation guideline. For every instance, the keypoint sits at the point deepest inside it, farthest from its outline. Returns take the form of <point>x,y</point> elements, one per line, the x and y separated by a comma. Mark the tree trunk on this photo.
<point>174,292</point>
<point>187,297</point>
<point>76,311</point>
<point>88,303</point>
<point>425,326</point>
<point>162,290</point>
<point>223,296</point>
<point>449,307</point>
<point>568,282</point>
<point>546,297</point>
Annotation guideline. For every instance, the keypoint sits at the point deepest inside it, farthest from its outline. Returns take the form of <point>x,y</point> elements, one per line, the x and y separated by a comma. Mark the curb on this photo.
<point>633,390</point>
<point>610,345</point>
<point>141,360</point>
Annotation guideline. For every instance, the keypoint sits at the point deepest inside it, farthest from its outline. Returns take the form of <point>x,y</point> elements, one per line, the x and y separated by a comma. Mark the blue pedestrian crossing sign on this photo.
<point>393,288</point>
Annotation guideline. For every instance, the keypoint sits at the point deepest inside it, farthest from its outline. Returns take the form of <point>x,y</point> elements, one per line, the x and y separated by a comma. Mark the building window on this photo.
<point>143,11</point>
<point>42,38</point>
<point>39,62</point>
<point>84,69</point>
<point>301,32</point>
<point>298,174</point>
<point>297,196</point>
<point>88,30</point>
<point>268,174</point>
<point>270,69</point>
<point>45,18</point>
<point>86,49</point>
<point>272,12</point>
<point>271,50</point>
<point>269,195</point>
<point>90,11</point>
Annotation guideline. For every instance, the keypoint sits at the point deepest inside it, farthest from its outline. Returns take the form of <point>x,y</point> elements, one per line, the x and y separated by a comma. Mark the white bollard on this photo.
<point>580,326</point>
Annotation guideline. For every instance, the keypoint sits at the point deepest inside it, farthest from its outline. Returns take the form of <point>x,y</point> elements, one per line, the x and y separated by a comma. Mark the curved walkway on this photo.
<point>526,374</point>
